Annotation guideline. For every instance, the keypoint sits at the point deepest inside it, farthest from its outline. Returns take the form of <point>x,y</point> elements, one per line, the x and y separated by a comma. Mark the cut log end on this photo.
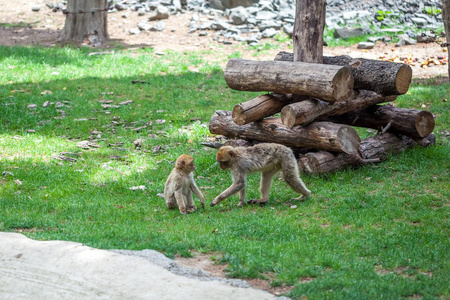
<point>343,84</point>
<point>288,116</point>
<point>403,79</point>
<point>238,115</point>
<point>424,123</point>
<point>349,141</point>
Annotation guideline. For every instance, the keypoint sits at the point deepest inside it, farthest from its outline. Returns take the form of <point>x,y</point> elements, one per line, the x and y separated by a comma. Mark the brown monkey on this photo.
<point>267,158</point>
<point>180,185</point>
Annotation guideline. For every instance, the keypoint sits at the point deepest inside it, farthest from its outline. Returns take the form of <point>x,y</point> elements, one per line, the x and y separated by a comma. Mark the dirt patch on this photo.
<point>208,263</point>
<point>44,27</point>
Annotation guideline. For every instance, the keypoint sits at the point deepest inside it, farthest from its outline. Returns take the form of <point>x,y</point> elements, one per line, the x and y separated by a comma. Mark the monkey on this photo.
<point>267,158</point>
<point>180,185</point>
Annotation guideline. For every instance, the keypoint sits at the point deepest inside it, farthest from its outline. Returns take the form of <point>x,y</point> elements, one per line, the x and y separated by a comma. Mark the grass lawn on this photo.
<point>377,232</point>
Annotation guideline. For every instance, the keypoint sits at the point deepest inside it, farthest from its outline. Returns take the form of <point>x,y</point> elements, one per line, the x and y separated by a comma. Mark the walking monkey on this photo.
<point>267,158</point>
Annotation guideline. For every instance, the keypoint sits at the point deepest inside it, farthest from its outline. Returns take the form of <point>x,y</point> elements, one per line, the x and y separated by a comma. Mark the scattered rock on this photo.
<point>366,45</point>
<point>345,32</point>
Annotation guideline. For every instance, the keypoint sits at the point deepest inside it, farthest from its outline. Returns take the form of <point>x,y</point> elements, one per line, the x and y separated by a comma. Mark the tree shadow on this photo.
<point>24,34</point>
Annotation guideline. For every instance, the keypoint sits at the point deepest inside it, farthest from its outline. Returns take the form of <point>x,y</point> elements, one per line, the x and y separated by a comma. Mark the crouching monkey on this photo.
<point>267,158</point>
<point>180,185</point>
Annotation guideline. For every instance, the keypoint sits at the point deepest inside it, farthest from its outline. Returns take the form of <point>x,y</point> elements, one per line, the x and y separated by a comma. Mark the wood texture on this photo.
<point>81,27</point>
<point>318,135</point>
<point>373,149</point>
<point>327,82</point>
<point>383,77</point>
<point>305,112</point>
<point>307,36</point>
<point>259,108</point>
<point>414,123</point>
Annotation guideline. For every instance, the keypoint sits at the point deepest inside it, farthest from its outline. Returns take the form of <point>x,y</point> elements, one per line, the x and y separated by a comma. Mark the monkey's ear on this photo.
<point>231,153</point>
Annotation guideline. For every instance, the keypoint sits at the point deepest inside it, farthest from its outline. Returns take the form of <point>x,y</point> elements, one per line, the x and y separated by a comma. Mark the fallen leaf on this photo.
<point>135,188</point>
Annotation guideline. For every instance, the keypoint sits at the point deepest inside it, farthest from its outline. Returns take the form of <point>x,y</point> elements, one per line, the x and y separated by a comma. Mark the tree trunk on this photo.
<point>413,123</point>
<point>383,77</point>
<point>318,135</point>
<point>259,108</point>
<point>372,150</point>
<point>86,22</point>
<point>327,82</point>
<point>308,30</point>
<point>305,112</point>
<point>446,19</point>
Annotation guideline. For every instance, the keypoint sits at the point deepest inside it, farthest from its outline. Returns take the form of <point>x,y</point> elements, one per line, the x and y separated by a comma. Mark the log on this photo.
<point>372,150</point>
<point>318,135</point>
<point>327,82</point>
<point>304,112</point>
<point>383,77</point>
<point>414,123</point>
<point>259,108</point>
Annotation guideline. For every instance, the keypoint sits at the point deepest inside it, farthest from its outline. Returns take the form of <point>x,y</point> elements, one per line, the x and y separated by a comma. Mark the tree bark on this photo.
<point>327,82</point>
<point>86,22</point>
<point>383,77</point>
<point>318,135</point>
<point>413,123</point>
<point>372,150</point>
<point>446,19</point>
<point>308,31</point>
<point>305,112</point>
<point>259,108</point>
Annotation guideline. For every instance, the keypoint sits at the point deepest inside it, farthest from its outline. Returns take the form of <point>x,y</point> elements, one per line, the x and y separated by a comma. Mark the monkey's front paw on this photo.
<point>257,201</point>
<point>212,204</point>
<point>191,209</point>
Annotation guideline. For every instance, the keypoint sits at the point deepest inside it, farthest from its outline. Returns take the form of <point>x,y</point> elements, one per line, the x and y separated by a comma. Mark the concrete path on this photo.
<point>50,270</point>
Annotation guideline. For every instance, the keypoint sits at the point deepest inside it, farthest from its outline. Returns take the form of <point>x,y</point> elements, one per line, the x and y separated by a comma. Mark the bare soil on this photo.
<point>44,27</point>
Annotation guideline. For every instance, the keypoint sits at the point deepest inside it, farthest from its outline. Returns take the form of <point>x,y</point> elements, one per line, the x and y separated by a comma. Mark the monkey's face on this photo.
<point>190,167</point>
<point>225,157</point>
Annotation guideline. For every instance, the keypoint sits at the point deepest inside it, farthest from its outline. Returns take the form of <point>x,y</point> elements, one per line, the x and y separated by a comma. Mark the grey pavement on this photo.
<point>50,270</point>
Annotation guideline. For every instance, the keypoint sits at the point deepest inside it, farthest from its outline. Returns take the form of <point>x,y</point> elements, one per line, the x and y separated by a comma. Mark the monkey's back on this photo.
<point>264,156</point>
<point>175,182</point>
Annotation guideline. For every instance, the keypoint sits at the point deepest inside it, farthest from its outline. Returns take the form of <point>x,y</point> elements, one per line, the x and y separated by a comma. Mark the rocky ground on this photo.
<point>43,27</point>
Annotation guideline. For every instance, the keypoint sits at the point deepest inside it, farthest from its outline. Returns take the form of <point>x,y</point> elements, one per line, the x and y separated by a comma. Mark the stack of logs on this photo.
<point>319,104</point>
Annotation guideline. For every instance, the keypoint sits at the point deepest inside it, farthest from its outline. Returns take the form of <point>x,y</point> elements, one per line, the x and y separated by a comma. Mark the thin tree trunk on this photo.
<point>86,22</point>
<point>446,19</point>
<point>308,31</point>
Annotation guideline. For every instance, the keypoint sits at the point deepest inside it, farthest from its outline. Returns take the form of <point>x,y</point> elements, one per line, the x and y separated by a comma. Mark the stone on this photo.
<point>36,8</point>
<point>224,4</point>
<point>144,25</point>
<point>366,45</point>
<point>160,26</point>
<point>269,32</point>
<point>160,13</point>
<point>404,39</point>
<point>420,22</point>
<point>238,15</point>
<point>135,31</point>
<point>345,32</point>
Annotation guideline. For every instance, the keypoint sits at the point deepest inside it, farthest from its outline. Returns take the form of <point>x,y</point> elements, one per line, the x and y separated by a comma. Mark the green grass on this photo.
<point>376,232</point>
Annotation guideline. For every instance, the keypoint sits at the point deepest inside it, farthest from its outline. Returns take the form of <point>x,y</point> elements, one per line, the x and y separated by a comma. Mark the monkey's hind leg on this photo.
<point>266,184</point>
<point>292,178</point>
